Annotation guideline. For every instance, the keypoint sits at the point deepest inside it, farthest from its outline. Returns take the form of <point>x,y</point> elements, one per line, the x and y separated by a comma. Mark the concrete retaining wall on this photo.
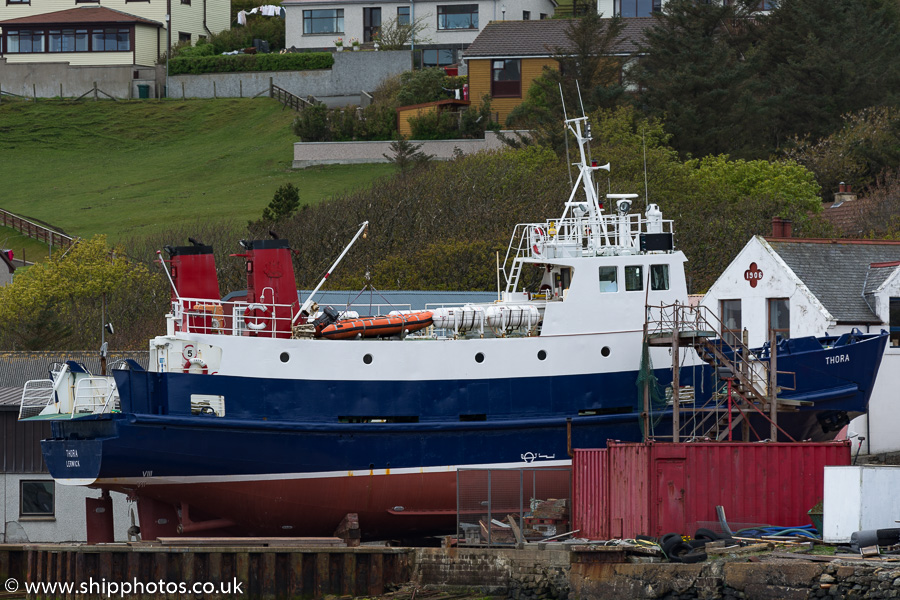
<point>307,154</point>
<point>47,80</point>
<point>352,72</point>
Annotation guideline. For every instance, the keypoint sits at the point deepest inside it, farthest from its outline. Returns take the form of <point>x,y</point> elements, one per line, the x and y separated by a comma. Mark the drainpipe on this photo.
<point>208,32</point>
<point>412,31</point>
<point>168,41</point>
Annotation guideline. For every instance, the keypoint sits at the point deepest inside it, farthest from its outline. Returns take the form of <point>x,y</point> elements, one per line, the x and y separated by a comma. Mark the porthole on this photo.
<point>605,351</point>
<point>542,354</point>
<point>285,357</point>
<point>367,359</point>
<point>479,358</point>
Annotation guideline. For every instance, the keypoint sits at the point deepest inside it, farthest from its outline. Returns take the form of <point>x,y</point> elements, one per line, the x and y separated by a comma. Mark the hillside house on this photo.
<point>645,8</point>
<point>508,56</point>
<point>448,27</point>
<point>813,287</point>
<point>118,32</point>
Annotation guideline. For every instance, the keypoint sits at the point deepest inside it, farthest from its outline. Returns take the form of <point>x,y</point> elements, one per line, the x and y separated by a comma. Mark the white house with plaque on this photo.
<point>813,287</point>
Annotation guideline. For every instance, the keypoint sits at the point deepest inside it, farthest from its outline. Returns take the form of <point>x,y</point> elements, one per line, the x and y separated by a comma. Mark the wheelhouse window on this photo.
<point>24,41</point>
<point>895,322</point>
<point>37,498</point>
<point>437,58</point>
<point>634,278</point>
<point>371,23</point>
<point>731,321</point>
<point>636,8</point>
<point>659,278</point>
<point>323,21</point>
<point>111,40</point>
<point>459,16</point>
<point>506,78</point>
<point>780,317</point>
<point>67,40</point>
<point>608,279</point>
<point>403,15</point>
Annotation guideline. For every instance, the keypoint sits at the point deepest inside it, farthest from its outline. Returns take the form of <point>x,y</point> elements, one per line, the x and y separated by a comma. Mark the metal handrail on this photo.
<point>92,393</point>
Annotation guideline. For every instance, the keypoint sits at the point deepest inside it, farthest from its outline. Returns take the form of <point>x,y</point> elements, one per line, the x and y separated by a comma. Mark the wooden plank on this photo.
<point>348,574</point>
<point>322,575</point>
<point>268,576</point>
<point>742,549</point>
<point>295,587</point>
<point>515,529</point>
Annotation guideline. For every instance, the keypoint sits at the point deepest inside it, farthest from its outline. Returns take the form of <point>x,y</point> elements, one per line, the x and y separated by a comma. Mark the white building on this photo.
<point>448,27</point>
<point>645,8</point>
<point>803,287</point>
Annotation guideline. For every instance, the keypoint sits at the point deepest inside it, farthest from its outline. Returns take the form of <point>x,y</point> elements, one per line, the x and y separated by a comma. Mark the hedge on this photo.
<point>230,63</point>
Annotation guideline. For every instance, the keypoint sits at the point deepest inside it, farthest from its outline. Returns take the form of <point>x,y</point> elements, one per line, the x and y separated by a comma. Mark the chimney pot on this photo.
<point>777,227</point>
<point>787,228</point>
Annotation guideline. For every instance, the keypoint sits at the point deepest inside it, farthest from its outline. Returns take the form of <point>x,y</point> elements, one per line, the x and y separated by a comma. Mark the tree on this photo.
<point>817,61</point>
<point>866,145</point>
<point>283,204</point>
<point>394,35</point>
<point>691,72</point>
<point>68,290</point>
<point>588,69</point>
<point>406,155</point>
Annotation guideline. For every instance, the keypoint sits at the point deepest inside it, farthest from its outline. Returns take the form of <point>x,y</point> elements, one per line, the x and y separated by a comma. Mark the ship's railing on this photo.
<point>37,395</point>
<point>95,395</point>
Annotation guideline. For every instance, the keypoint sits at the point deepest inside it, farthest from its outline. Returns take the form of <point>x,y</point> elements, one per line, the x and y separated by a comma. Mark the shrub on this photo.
<point>251,62</point>
<point>379,122</point>
<point>424,85</point>
<point>259,27</point>
<point>312,124</point>
<point>435,125</point>
<point>203,48</point>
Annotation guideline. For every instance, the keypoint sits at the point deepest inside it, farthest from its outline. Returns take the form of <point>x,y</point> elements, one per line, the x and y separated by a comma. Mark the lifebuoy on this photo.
<point>539,239</point>
<point>256,309</point>
<point>195,361</point>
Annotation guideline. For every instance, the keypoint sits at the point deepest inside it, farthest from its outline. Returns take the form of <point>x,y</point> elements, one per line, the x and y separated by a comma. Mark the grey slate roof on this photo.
<point>541,38</point>
<point>878,274</point>
<point>836,271</point>
<point>18,367</point>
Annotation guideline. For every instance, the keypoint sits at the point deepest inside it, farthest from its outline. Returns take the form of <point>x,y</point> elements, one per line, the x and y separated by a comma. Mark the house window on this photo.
<point>323,21</point>
<point>636,8</point>
<point>543,16</point>
<point>402,15</point>
<point>437,58</point>
<point>67,40</point>
<point>111,40</point>
<point>506,78</point>
<point>460,16</point>
<point>780,316</point>
<point>634,278</point>
<point>184,38</point>
<point>18,1</point>
<point>659,277</point>
<point>526,15</point>
<point>371,23</point>
<point>24,41</point>
<point>895,322</point>
<point>36,498</point>
<point>731,321</point>
<point>608,280</point>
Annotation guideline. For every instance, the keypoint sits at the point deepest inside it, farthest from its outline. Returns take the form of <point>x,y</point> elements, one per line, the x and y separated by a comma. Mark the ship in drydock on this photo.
<point>272,416</point>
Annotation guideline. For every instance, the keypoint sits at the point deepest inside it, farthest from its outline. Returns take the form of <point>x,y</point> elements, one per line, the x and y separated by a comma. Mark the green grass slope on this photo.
<point>134,168</point>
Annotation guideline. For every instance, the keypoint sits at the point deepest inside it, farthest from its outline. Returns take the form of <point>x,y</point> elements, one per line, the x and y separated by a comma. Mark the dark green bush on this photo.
<point>424,85</point>
<point>379,122</point>
<point>258,27</point>
<point>203,48</point>
<point>251,62</point>
<point>435,125</point>
<point>312,124</point>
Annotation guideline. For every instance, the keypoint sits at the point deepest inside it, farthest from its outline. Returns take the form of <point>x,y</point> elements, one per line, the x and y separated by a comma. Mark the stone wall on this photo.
<point>519,574</point>
<point>789,579</point>
<point>307,154</point>
<point>49,80</point>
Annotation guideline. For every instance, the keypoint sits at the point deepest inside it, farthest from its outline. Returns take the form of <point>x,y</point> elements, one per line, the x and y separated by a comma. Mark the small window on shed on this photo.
<point>895,322</point>
<point>37,498</point>
<point>608,279</point>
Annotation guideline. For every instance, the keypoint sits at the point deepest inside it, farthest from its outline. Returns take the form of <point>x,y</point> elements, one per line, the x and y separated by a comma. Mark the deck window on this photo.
<point>506,78</point>
<point>895,322</point>
<point>731,321</point>
<point>608,279</point>
<point>460,16</point>
<point>659,278</point>
<point>323,21</point>
<point>634,278</point>
<point>36,498</point>
<point>780,316</point>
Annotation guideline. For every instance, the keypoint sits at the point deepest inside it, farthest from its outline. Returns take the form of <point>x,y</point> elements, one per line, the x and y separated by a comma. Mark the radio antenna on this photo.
<point>587,124</point>
<point>646,186</point>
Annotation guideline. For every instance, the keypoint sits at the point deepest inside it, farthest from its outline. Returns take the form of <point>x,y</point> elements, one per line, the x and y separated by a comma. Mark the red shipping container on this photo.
<point>630,489</point>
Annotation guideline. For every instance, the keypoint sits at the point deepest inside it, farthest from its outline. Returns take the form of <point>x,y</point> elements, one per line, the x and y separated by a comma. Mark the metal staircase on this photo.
<point>745,379</point>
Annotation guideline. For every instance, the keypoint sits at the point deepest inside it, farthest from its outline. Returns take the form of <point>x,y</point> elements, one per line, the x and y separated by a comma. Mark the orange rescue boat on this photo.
<point>377,326</point>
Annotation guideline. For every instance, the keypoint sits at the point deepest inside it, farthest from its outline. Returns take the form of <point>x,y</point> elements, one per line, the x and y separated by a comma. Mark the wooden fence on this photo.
<point>35,231</point>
